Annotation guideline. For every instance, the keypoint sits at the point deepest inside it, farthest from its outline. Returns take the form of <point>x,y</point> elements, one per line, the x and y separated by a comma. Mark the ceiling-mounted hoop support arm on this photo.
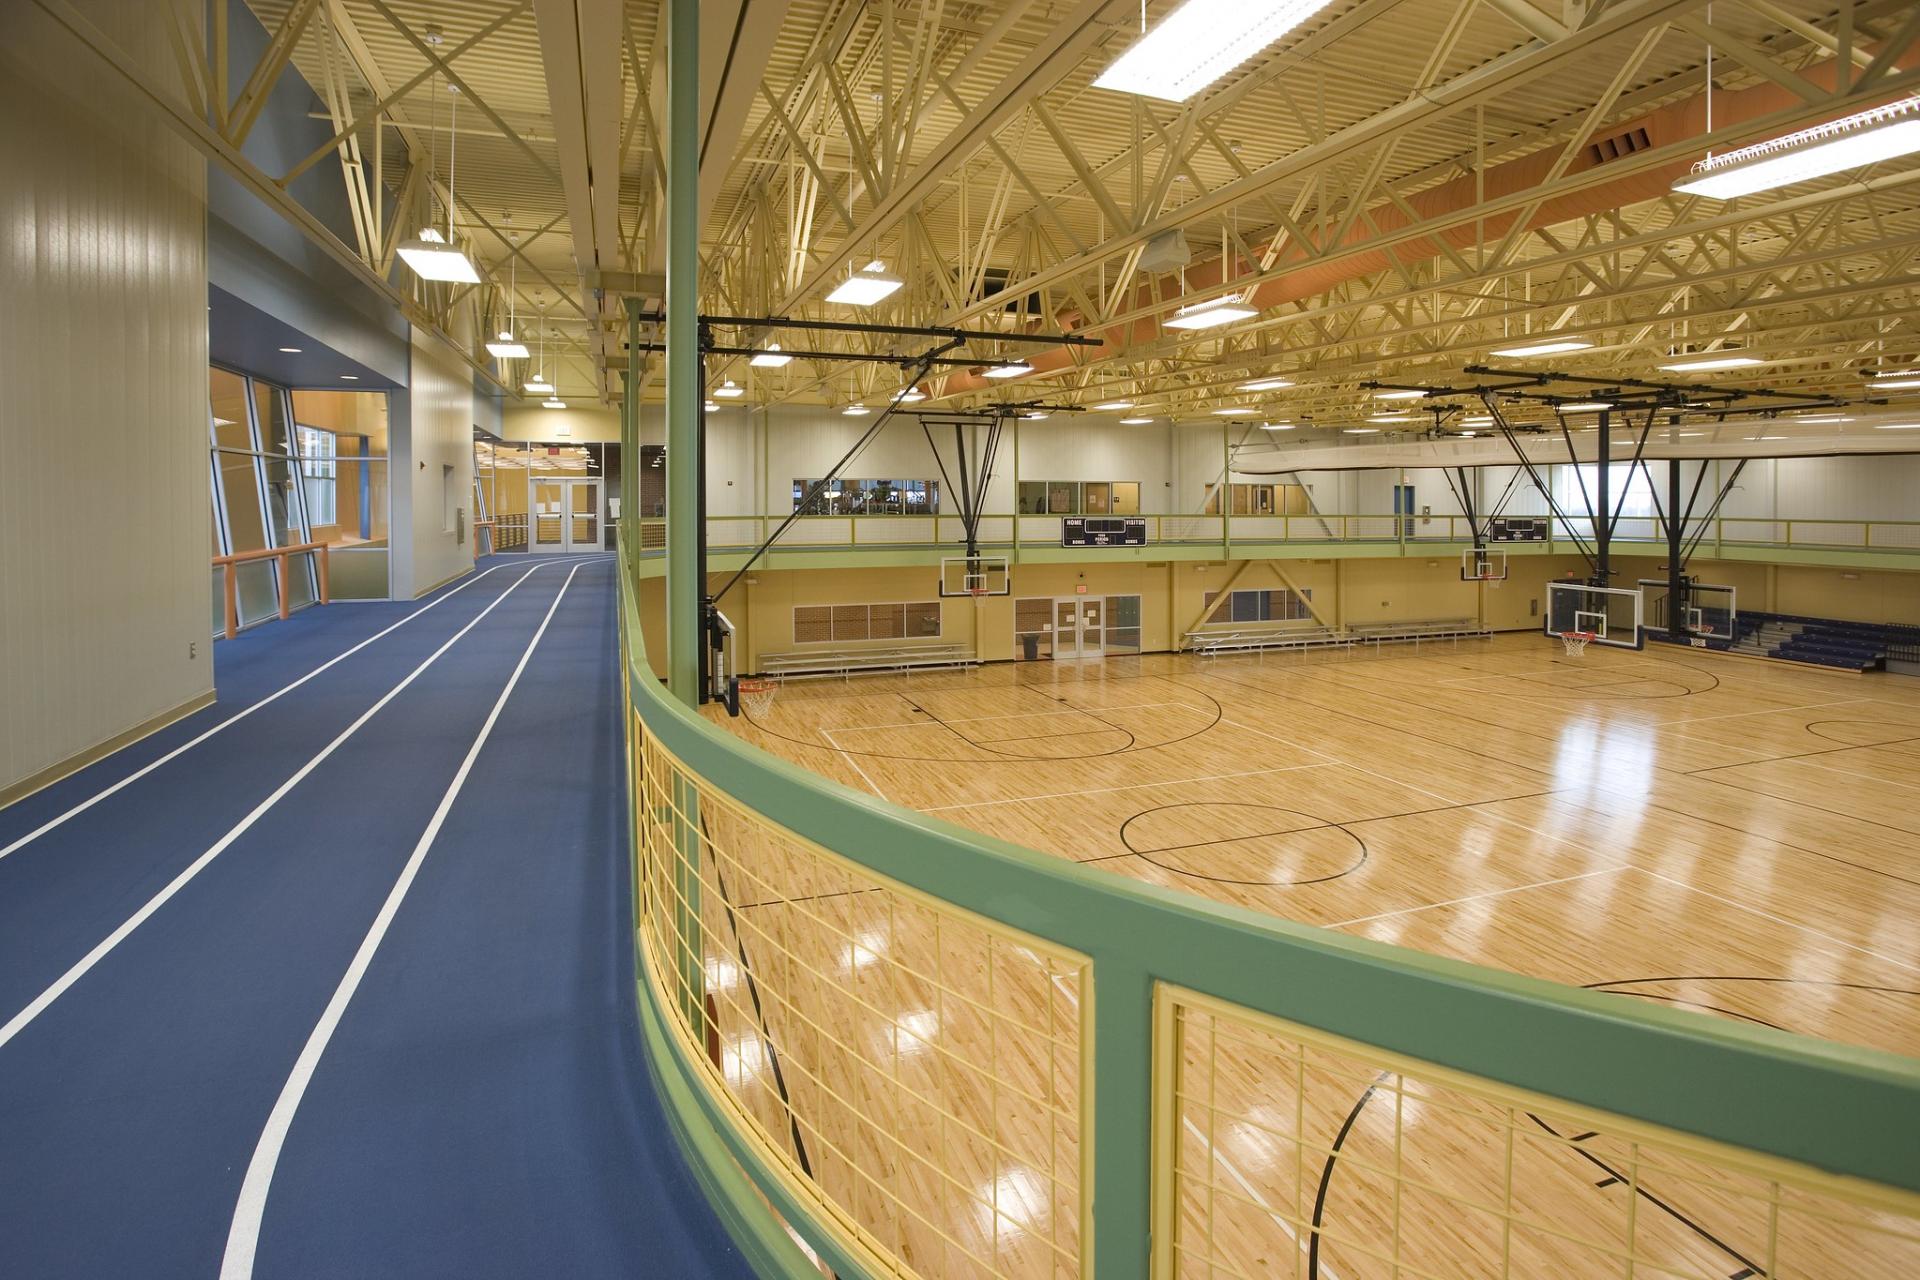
<point>1463,495</point>
<point>1639,454</point>
<point>1488,398</point>
<point>921,364</point>
<point>1713,511</point>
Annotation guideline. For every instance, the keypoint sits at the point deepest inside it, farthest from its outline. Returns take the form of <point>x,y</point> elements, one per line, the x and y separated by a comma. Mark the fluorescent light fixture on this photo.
<point>1267,384</point>
<point>1586,406</point>
<point>855,411</point>
<point>1013,370</point>
<point>1135,422</point>
<point>1703,364</point>
<point>504,347</point>
<point>349,377</point>
<point>432,258</point>
<point>1389,417</point>
<point>1201,41</point>
<point>292,351</point>
<point>1236,413</point>
<point>1276,426</point>
<point>1035,415</point>
<point>771,358</point>
<point>912,395</point>
<point>537,384</point>
<point>1468,434</point>
<point>864,288</point>
<point>729,390</point>
<point>1850,142</point>
<point>1399,395</point>
<point>1896,426</point>
<point>709,407</point>
<point>553,402</point>
<point>1225,309</point>
<point>1113,406</point>
<point>1691,435</point>
<point>1477,420</point>
<point>1361,431</point>
<point>1830,417</point>
<point>1766,437</point>
<point>1551,348</point>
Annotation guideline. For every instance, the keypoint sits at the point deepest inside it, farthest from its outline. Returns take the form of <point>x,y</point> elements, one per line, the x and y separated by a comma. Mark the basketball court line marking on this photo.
<point>1768,915</point>
<point>1802,762</point>
<point>1014,715</point>
<point>233,719</point>
<point>1253,1192</point>
<point>1131,786</point>
<point>1481,897</point>
<point>243,1236</point>
<point>843,754</point>
<point>81,967</point>
<point>1736,715</point>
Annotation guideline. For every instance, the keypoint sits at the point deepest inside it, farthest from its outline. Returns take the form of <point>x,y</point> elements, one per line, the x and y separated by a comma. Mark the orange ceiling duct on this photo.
<point>1661,128</point>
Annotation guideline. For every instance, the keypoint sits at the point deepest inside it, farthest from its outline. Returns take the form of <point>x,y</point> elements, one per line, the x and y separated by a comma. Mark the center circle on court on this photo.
<point>1238,843</point>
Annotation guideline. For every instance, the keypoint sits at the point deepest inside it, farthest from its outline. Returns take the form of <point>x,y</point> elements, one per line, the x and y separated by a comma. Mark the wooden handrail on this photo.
<point>231,564</point>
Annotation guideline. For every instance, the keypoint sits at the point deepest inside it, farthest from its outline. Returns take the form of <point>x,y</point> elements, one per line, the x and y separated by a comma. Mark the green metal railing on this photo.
<point>1845,1110</point>
<point>1004,531</point>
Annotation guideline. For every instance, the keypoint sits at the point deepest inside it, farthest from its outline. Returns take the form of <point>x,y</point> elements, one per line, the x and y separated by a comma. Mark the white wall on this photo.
<point>104,513</point>
<point>438,434</point>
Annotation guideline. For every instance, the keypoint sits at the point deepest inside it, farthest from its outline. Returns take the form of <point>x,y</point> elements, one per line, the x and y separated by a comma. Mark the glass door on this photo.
<point>549,515</point>
<point>1079,626</point>
<point>1093,626</point>
<point>583,515</point>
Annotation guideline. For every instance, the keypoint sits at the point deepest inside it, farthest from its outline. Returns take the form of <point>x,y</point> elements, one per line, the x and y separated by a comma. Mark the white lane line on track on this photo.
<point>243,1236</point>
<point>40,1002</point>
<point>231,720</point>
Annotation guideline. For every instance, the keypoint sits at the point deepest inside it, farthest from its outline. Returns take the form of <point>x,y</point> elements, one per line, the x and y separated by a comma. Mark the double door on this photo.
<point>566,515</point>
<point>1079,627</point>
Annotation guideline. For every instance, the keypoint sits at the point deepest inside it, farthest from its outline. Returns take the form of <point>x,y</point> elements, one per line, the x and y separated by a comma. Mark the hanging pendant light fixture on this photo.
<point>538,384</point>
<point>432,255</point>
<point>506,346</point>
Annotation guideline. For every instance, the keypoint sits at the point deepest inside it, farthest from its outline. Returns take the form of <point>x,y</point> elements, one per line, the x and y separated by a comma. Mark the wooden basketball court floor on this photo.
<point>1721,834</point>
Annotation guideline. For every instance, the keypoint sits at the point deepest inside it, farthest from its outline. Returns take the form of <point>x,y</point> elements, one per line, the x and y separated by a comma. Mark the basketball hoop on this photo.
<point>757,694</point>
<point>1577,641</point>
<point>978,593</point>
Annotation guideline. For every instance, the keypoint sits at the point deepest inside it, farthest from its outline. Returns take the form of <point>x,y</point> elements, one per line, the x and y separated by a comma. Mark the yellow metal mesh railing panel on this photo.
<point>1296,1154</point>
<point>915,1071</point>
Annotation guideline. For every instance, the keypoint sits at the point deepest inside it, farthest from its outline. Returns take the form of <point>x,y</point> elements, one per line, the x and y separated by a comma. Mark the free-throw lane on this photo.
<point>131,1104</point>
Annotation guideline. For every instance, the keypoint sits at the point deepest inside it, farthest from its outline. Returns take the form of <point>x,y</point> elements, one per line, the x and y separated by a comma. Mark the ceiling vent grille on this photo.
<point>1620,144</point>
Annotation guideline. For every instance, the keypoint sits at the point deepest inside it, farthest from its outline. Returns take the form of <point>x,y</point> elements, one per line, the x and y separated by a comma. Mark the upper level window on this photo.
<point>1079,497</point>
<point>869,497</point>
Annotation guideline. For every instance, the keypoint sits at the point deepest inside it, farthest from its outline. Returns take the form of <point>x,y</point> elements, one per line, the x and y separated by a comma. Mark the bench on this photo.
<point>849,662</point>
<point>1456,629</point>
<point>1213,643</point>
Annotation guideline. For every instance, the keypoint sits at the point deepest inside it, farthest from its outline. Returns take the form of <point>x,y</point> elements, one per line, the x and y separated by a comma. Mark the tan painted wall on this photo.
<point>1346,592</point>
<point>1171,596</point>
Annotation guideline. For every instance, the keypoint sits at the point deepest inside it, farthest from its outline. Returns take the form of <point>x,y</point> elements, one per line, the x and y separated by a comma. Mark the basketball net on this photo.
<point>1576,642</point>
<point>757,694</point>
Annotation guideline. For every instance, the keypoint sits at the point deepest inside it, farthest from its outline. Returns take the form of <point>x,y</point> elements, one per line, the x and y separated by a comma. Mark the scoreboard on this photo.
<point>1103,531</point>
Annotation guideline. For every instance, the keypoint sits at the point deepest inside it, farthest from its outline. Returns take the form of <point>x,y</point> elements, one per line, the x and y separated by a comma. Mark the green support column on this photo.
<point>1122,1147</point>
<point>686,593</point>
<point>684,589</point>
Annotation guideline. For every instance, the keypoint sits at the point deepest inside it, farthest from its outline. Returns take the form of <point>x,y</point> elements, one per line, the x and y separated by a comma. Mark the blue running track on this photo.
<point>479,1107</point>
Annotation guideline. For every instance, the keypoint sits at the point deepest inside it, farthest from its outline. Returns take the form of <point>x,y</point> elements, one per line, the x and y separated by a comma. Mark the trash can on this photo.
<point>1031,644</point>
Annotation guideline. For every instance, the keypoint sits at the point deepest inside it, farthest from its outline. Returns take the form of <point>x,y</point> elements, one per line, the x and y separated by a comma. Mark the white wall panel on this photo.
<point>103,431</point>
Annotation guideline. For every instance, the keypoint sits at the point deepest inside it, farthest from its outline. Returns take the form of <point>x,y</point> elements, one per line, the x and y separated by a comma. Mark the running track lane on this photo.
<point>129,1108</point>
